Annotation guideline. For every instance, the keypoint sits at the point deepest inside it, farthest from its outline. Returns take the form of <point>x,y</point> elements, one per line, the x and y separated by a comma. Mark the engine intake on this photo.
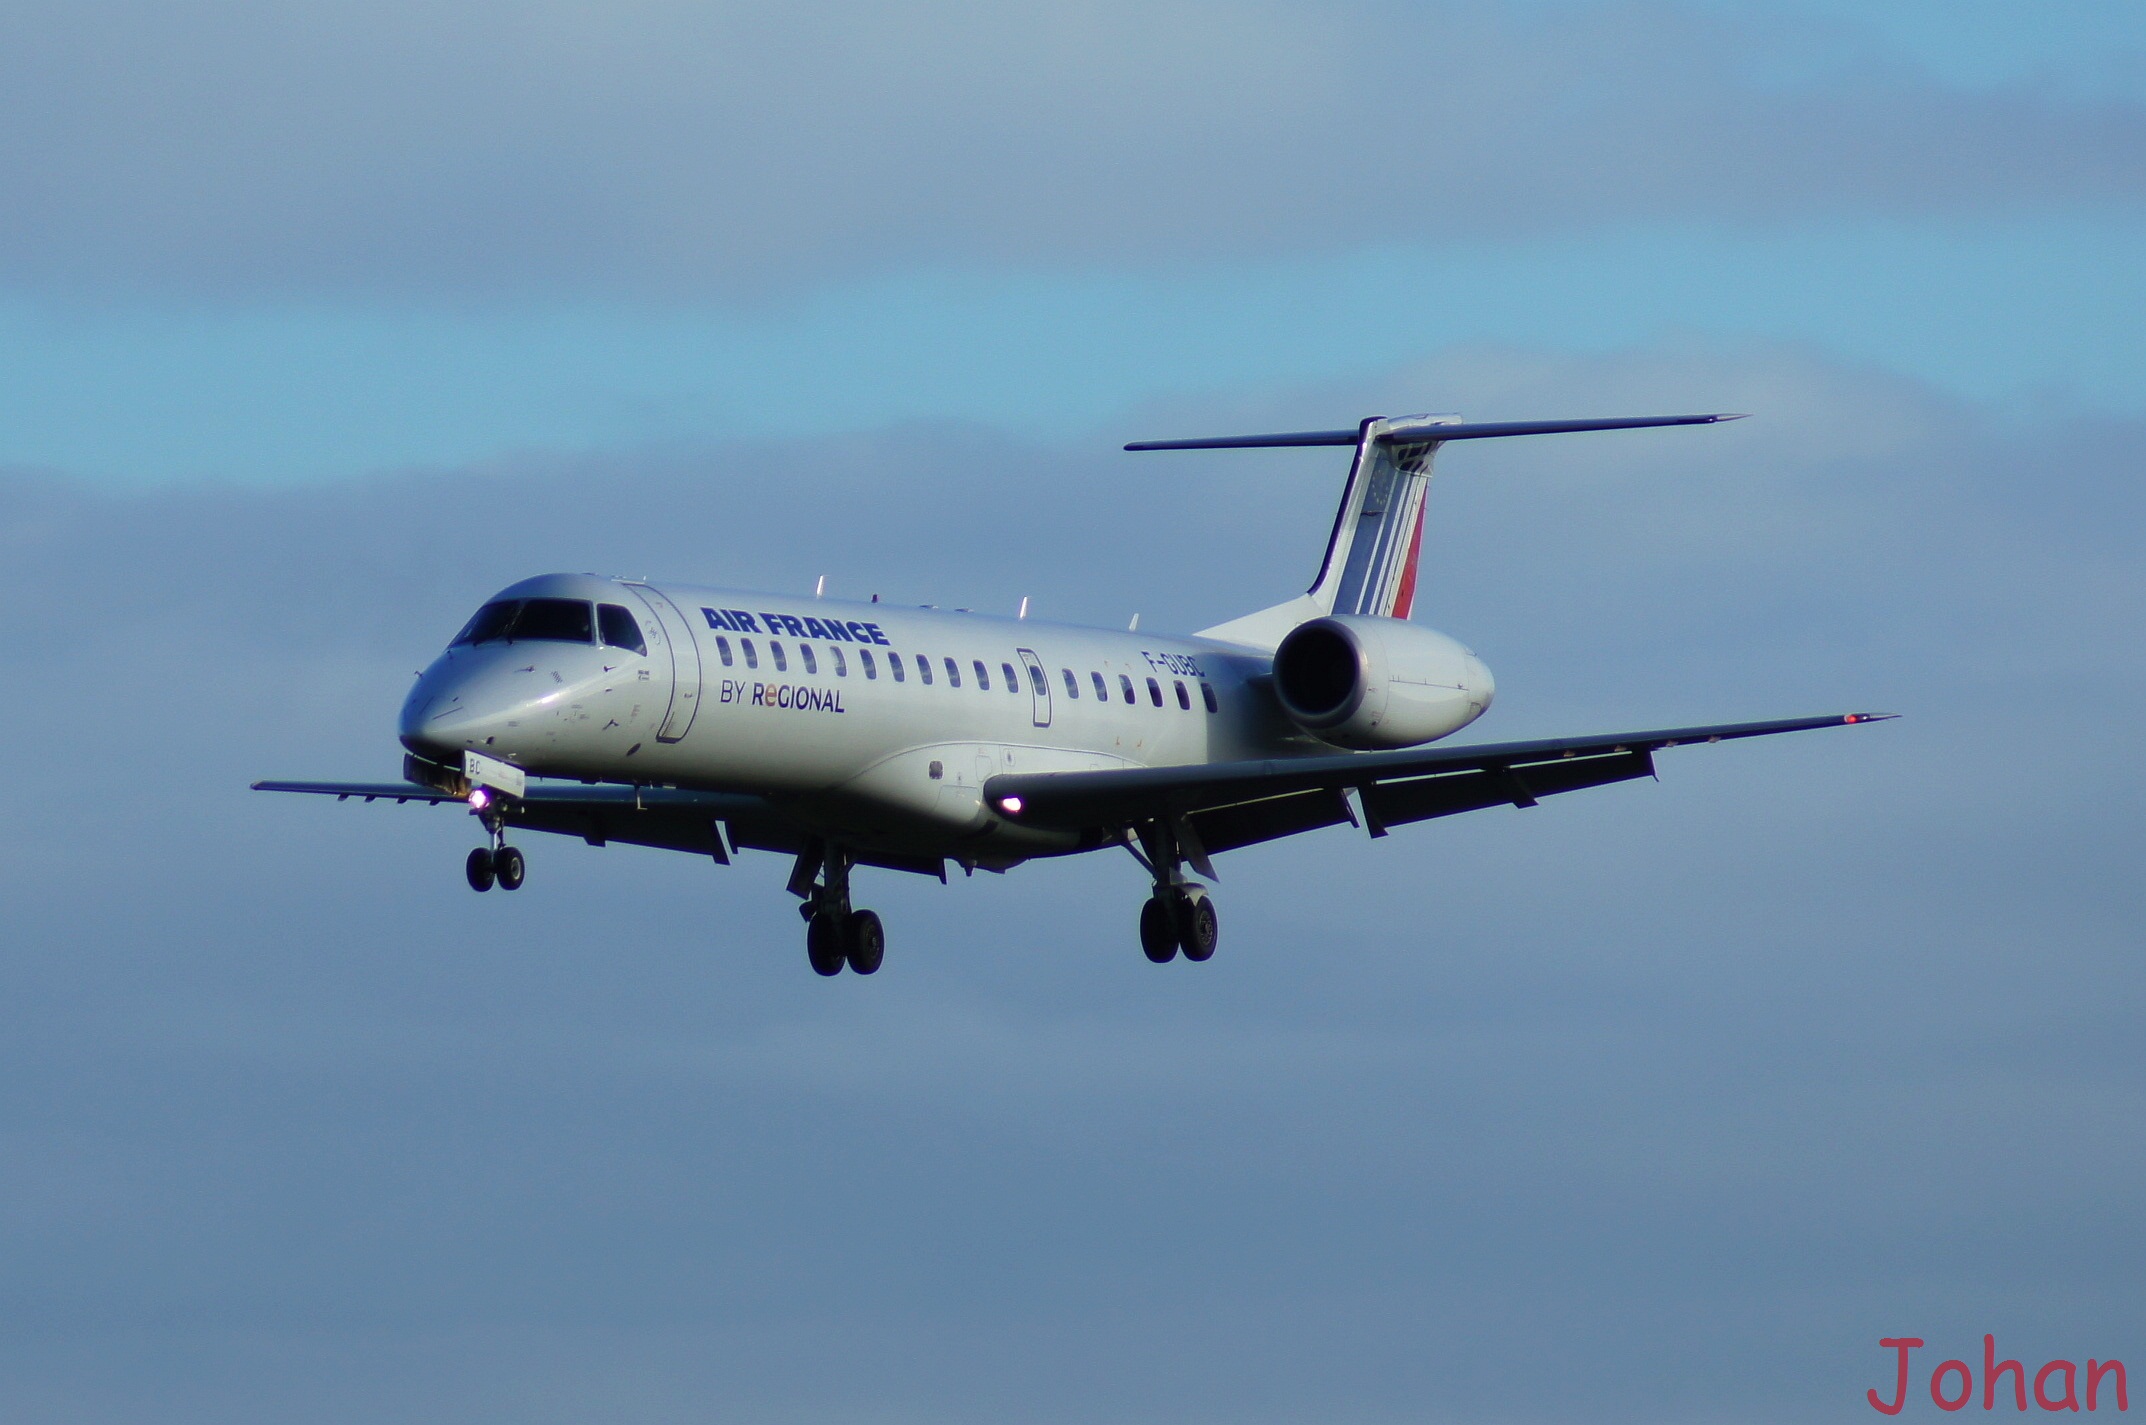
<point>1371,683</point>
<point>1319,672</point>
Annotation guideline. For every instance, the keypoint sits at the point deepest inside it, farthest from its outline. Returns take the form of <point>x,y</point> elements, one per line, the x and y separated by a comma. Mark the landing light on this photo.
<point>479,799</point>
<point>1010,805</point>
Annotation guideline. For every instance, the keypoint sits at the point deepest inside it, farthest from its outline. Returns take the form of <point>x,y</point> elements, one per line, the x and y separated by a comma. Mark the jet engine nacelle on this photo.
<point>1370,683</point>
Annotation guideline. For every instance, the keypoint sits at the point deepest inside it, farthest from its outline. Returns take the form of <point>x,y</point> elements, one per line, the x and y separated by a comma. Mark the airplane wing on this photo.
<point>663,817</point>
<point>1230,804</point>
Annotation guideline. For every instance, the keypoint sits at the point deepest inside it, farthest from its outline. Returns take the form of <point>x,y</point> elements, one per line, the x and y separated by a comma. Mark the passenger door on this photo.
<point>1039,686</point>
<point>675,633</point>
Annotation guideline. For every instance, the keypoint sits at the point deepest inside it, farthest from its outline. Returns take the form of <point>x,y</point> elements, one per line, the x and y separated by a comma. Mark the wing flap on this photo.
<point>1399,803</point>
<point>1247,823</point>
<point>665,828</point>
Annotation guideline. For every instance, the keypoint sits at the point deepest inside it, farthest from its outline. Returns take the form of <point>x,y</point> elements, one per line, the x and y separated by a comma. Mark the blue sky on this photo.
<point>2090,46</point>
<point>1659,1102</point>
<point>152,339</point>
<point>2037,310</point>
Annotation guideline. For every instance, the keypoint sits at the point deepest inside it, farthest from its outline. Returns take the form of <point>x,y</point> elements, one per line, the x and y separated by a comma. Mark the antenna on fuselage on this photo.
<point>1024,607</point>
<point>1134,626</point>
<point>819,590</point>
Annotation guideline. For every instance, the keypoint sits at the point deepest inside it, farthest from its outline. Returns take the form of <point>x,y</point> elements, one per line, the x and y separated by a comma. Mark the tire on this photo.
<point>823,943</point>
<point>511,868</point>
<point>1199,929</point>
<point>479,869</point>
<point>865,942</point>
<point>1158,932</point>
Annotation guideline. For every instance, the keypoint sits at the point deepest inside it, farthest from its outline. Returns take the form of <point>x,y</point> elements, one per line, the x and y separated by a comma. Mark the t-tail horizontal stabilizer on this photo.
<point>1371,556</point>
<point>1407,429</point>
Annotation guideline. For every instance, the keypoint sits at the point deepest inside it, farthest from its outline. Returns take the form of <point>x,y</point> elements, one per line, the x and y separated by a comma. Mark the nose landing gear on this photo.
<point>835,935</point>
<point>498,862</point>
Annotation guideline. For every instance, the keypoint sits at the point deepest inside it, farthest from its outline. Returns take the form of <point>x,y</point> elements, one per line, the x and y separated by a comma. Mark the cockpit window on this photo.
<point>551,620</point>
<point>616,623</point>
<point>554,621</point>
<point>491,622</point>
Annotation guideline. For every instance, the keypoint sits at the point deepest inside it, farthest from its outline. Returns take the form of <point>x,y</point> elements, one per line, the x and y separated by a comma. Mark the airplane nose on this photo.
<point>415,708</point>
<point>449,710</point>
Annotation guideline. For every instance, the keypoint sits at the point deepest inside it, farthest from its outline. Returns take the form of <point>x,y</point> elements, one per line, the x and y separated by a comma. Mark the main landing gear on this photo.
<point>1182,918</point>
<point>497,862</point>
<point>1179,915</point>
<point>835,935</point>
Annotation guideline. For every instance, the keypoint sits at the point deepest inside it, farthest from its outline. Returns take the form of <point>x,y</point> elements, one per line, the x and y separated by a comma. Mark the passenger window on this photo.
<point>1184,699</point>
<point>615,623</point>
<point>489,623</point>
<point>1154,692</point>
<point>841,665</point>
<point>1102,689</point>
<point>1013,683</point>
<point>1072,687</point>
<point>722,649</point>
<point>1207,696</point>
<point>894,666</point>
<point>1127,684</point>
<point>1036,684</point>
<point>923,667</point>
<point>983,674</point>
<point>555,621</point>
<point>782,664</point>
<point>812,664</point>
<point>871,669</point>
<point>752,655</point>
<point>953,674</point>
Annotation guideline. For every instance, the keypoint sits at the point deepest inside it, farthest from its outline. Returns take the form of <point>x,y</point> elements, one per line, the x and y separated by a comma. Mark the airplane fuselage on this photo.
<point>884,720</point>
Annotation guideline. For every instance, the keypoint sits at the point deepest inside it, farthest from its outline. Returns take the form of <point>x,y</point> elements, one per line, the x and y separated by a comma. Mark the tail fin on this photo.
<point>1370,565</point>
<point>1371,556</point>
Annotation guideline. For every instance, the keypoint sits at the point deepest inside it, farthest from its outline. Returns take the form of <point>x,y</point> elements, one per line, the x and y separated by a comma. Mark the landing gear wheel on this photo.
<point>865,942</point>
<point>1198,927</point>
<point>1158,931</point>
<point>507,861</point>
<point>823,942</point>
<point>479,869</point>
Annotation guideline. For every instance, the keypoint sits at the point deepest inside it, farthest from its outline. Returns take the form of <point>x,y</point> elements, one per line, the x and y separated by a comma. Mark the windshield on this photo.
<point>620,630</point>
<point>550,620</point>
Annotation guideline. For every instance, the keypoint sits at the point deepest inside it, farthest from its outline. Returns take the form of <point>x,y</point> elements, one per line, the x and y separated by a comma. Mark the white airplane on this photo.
<point>709,720</point>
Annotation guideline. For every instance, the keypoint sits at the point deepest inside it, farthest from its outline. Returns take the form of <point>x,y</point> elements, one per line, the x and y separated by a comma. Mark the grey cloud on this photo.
<point>478,148</point>
<point>1664,1102</point>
